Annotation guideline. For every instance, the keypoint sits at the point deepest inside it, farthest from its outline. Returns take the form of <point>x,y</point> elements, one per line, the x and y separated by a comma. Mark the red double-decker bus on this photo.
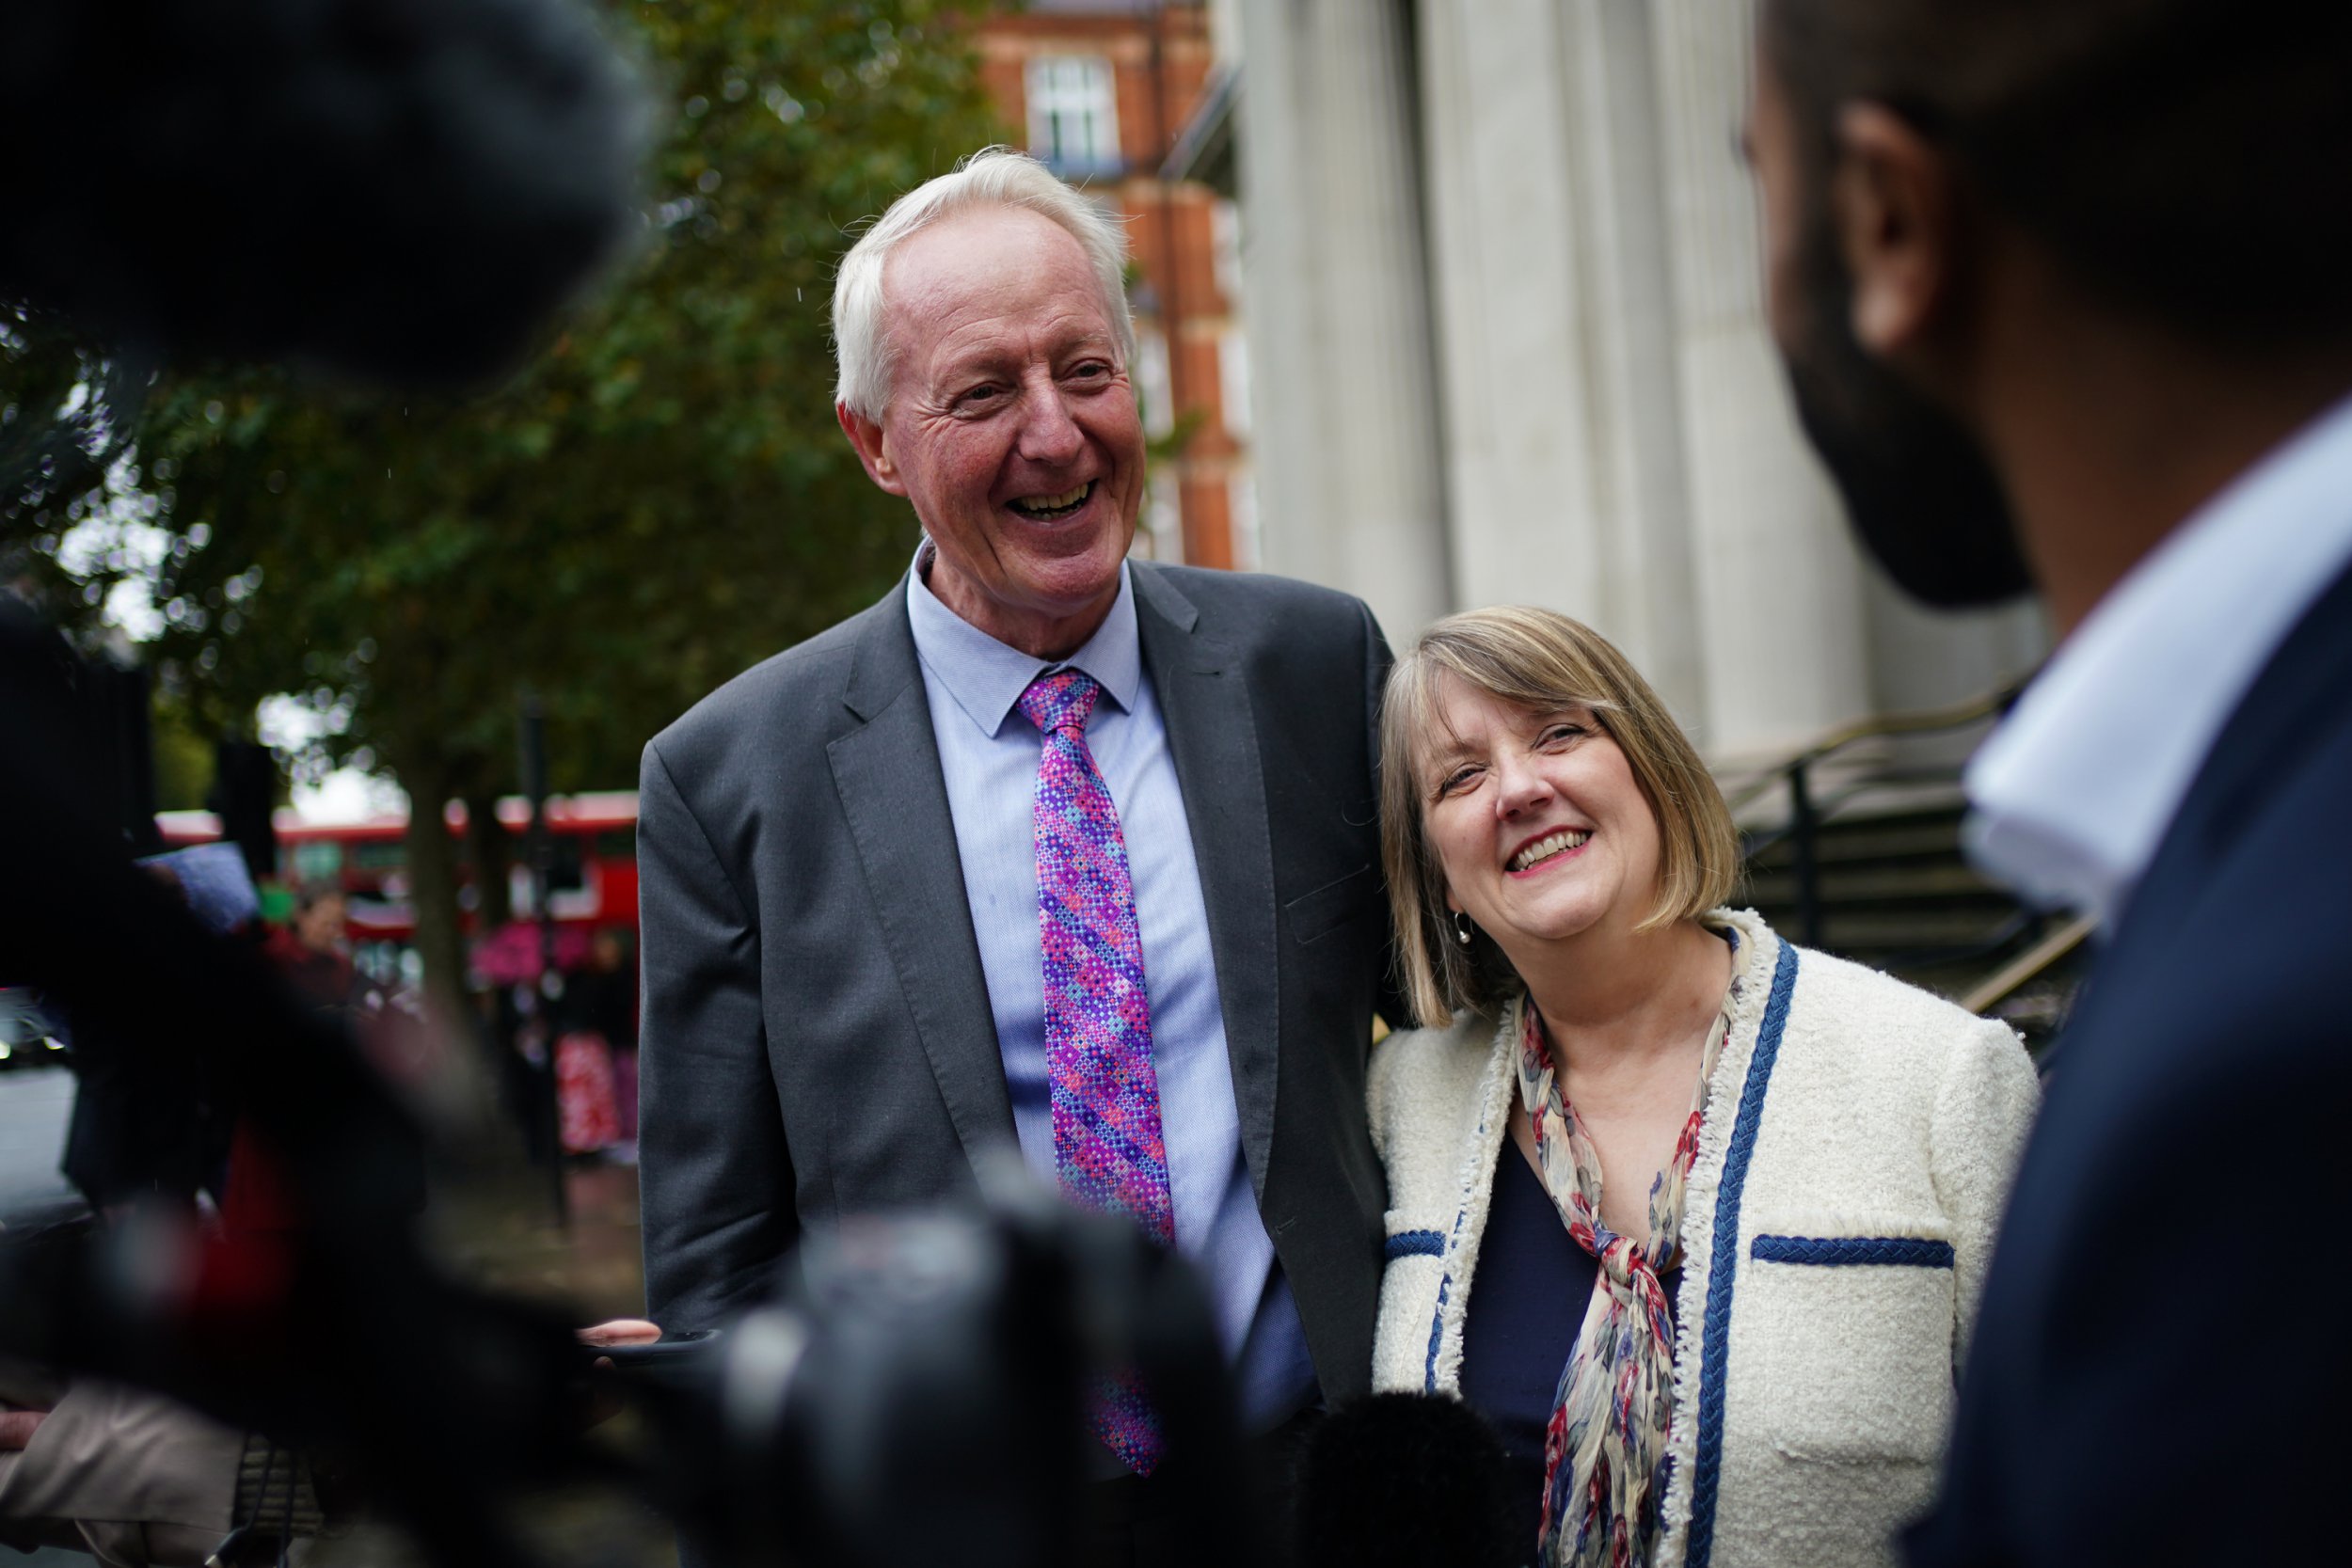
<point>593,882</point>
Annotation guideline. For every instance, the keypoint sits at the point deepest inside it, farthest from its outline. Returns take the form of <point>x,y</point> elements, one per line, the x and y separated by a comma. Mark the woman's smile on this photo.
<point>1546,850</point>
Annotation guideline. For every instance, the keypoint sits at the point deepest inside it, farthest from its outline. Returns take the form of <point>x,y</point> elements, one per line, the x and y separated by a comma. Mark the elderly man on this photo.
<point>1047,848</point>
<point>2061,289</point>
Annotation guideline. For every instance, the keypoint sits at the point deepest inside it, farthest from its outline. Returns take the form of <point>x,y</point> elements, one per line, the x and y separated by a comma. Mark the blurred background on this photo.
<point>1443,302</point>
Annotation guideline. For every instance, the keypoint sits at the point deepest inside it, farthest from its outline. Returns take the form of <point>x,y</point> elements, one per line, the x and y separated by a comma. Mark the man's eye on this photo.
<point>977,395</point>
<point>1093,370</point>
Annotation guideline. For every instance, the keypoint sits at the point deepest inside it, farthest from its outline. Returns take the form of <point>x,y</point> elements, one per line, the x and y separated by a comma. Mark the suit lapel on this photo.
<point>888,774</point>
<point>1212,734</point>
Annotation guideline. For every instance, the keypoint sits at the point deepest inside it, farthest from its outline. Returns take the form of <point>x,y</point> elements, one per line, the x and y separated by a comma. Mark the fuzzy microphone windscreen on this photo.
<point>398,190</point>
<point>1406,1481</point>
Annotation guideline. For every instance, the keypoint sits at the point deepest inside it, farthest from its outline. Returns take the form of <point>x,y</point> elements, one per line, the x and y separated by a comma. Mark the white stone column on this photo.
<point>1564,463</point>
<point>1350,491</point>
<point>1781,624</point>
<point>1523,498</point>
<point>1639,442</point>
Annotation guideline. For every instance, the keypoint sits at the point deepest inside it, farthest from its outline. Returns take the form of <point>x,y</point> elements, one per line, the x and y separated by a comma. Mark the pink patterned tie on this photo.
<point>1098,1018</point>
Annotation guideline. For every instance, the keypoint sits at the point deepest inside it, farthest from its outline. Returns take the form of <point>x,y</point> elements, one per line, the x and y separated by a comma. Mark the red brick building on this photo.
<point>1100,91</point>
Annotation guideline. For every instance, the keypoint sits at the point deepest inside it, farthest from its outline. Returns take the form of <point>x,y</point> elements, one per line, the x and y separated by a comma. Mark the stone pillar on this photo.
<point>1639,440</point>
<point>1564,463</point>
<point>1781,624</point>
<point>1521,496</point>
<point>1344,385</point>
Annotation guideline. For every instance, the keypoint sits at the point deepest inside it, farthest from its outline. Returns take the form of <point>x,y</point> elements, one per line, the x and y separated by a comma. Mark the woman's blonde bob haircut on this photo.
<point>1539,660</point>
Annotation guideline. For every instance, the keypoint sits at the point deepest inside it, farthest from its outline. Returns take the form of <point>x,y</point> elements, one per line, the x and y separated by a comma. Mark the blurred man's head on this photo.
<point>319,919</point>
<point>985,347</point>
<point>2182,166</point>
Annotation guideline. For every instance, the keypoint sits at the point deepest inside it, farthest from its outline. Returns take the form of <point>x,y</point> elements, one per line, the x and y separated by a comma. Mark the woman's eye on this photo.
<point>1459,779</point>
<point>1560,734</point>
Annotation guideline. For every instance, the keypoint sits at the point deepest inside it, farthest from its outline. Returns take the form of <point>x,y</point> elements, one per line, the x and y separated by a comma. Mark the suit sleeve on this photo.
<point>1984,1108</point>
<point>715,1175</point>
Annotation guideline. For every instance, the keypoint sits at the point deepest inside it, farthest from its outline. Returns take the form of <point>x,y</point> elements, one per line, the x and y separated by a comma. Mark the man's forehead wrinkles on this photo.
<point>991,339</point>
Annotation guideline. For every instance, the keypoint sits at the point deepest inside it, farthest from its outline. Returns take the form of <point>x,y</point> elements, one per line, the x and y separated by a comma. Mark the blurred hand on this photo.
<point>602,1406</point>
<point>621,1331</point>
<point>17,1428</point>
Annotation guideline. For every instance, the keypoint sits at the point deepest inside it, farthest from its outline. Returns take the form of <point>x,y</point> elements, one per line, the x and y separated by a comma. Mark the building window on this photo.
<point>1242,495</point>
<point>1074,116</point>
<point>1225,249</point>
<point>1155,390</point>
<point>1233,366</point>
<point>1164,516</point>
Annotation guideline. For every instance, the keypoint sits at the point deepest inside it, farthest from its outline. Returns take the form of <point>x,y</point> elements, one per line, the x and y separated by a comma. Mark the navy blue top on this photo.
<point>1527,1303</point>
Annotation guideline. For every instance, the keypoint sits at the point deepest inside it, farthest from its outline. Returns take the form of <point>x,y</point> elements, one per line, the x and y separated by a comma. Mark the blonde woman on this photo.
<point>1695,1217</point>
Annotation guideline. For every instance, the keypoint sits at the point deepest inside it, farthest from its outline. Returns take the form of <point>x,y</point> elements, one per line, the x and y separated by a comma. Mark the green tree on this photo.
<point>660,498</point>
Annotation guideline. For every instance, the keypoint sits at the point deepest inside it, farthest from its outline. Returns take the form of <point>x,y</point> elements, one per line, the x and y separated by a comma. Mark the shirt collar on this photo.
<point>2074,793</point>
<point>986,677</point>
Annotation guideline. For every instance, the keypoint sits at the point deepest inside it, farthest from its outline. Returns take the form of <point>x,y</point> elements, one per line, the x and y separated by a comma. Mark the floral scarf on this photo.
<point>1605,1460</point>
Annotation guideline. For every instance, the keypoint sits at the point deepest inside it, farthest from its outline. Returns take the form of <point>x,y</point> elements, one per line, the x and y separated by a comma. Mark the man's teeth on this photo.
<point>1041,506</point>
<point>1544,848</point>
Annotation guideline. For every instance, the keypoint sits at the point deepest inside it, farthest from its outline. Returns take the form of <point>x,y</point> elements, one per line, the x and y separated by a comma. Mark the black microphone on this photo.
<point>394,190</point>
<point>1407,1481</point>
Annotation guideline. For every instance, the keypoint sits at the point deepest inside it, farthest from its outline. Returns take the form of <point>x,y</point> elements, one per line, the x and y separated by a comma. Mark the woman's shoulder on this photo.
<point>1418,1070</point>
<point>1878,1023</point>
<point>1461,1044</point>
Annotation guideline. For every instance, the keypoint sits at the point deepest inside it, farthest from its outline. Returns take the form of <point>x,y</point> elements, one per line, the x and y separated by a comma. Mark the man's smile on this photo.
<point>1046,509</point>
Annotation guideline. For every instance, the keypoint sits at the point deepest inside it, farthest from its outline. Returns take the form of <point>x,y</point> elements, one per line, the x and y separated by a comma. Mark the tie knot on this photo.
<point>1061,702</point>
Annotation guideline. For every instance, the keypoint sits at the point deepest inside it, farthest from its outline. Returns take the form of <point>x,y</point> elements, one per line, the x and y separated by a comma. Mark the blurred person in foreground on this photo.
<point>1047,850</point>
<point>1691,1103</point>
<point>2062,292</point>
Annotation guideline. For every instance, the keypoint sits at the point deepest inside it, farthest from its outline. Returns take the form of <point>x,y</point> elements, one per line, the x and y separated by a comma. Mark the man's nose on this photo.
<point>1048,433</point>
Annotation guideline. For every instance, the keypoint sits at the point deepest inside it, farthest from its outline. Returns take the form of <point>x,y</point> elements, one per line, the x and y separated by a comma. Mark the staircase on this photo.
<point>1888,884</point>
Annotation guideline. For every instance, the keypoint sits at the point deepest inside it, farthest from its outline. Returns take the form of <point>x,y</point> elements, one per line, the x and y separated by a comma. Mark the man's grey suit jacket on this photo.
<point>816,1037</point>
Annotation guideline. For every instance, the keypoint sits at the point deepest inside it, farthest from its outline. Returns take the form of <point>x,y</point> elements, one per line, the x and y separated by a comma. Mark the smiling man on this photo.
<point>1047,850</point>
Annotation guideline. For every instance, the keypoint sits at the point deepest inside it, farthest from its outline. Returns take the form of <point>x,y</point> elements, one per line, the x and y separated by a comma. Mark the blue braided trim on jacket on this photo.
<point>1415,1243</point>
<point>1846,1251</point>
<point>1724,1265</point>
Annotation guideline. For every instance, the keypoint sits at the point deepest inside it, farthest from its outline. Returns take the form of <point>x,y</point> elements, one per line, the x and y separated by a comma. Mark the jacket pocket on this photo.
<point>1856,1334</point>
<point>1318,913</point>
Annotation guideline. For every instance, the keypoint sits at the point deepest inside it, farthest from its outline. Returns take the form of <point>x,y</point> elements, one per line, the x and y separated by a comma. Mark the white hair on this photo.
<point>993,177</point>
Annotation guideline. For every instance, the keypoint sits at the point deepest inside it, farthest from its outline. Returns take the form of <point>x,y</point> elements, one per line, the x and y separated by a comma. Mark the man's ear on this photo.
<point>1896,202</point>
<point>873,448</point>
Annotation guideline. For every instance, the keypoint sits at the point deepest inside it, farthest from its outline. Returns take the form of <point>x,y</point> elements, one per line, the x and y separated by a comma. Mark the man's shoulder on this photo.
<point>1245,602</point>
<point>802,684</point>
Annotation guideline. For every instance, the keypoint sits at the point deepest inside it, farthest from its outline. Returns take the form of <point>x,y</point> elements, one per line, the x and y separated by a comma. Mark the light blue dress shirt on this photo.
<point>989,754</point>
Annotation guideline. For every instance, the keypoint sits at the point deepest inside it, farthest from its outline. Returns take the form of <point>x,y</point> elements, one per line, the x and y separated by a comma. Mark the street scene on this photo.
<point>1510,783</point>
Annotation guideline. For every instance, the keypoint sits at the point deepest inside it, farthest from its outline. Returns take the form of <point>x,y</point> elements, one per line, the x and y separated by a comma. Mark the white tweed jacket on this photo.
<point>1858,1143</point>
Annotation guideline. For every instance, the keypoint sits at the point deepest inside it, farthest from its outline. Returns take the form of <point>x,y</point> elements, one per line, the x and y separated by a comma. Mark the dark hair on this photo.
<point>2187,159</point>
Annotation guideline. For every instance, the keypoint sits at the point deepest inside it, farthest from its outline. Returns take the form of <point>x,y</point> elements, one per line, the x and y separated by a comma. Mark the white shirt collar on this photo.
<point>2073,794</point>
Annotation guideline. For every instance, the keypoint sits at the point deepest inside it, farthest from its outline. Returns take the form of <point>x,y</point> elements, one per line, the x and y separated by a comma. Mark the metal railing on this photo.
<point>2029,965</point>
<point>1801,831</point>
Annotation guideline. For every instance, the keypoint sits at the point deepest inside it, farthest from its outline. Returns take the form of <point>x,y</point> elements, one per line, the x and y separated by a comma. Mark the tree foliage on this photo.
<point>659,500</point>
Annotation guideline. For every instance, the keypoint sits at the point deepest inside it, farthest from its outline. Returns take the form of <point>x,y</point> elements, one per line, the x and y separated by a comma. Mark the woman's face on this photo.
<point>1540,830</point>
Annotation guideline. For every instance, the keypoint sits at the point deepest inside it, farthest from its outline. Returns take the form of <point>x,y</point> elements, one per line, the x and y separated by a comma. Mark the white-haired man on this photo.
<point>1046,849</point>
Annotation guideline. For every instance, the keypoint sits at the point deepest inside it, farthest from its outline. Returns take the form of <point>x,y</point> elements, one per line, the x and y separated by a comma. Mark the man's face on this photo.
<point>1010,425</point>
<point>1919,491</point>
